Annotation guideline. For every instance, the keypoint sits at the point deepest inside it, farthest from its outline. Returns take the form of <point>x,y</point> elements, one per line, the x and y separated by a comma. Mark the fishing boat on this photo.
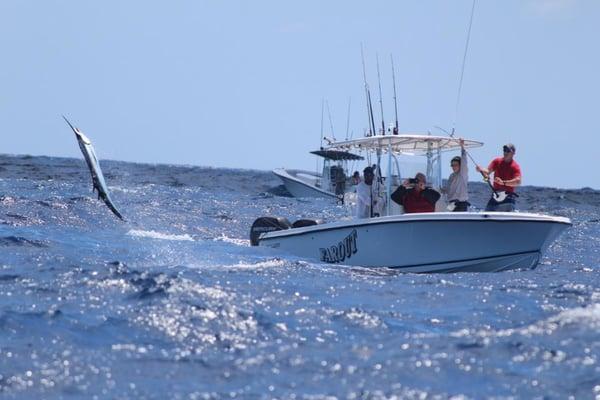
<point>332,183</point>
<point>423,242</point>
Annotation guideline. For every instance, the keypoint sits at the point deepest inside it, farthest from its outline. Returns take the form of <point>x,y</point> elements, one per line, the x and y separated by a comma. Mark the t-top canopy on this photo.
<point>409,143</point>
<point>337,155</point>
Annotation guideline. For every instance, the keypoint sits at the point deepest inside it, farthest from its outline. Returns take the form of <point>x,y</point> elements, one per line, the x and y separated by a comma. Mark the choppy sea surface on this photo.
<point>174,303</point>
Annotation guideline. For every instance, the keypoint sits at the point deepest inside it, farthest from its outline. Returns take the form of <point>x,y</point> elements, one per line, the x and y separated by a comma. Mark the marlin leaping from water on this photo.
<point>98,182</point>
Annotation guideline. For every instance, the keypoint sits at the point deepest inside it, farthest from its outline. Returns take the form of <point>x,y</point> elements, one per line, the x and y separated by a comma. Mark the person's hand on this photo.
<point>462,143</point>
<point>498,181</point>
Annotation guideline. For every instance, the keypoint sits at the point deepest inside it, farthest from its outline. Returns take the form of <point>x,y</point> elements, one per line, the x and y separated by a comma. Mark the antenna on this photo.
<point>462,71</point>
<point>380,97</point>
<point>395,101</point>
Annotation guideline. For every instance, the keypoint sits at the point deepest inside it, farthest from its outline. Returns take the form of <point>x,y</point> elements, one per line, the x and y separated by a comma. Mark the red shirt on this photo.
<point>505,171</point>
<point>415,203</point>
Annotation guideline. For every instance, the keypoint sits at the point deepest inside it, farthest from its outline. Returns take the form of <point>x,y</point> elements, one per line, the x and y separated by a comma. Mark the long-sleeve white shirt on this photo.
<point>363,200</point>
<point>367,197</point>
<point>456,188</point>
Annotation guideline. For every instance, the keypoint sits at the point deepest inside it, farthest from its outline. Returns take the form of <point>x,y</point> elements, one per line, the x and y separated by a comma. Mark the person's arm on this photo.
<point>487,171</point>
<point>483,171</point>
<point>516,181</point>
<point>431,195</point>
<point>399,194</point>
<point>464,166</point>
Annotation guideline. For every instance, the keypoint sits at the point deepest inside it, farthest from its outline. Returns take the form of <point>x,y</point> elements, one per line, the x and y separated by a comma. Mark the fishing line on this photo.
<point>462,71</point>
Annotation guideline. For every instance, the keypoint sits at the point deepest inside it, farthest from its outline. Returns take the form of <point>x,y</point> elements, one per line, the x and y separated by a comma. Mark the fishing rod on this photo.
<point>367,94</point>
<point>348,118</point>
<point>371,112</point>
<point>499,197</point>
<point>322,111</point>
<point>395,102</point>
<point>380,97</point>
<point>321,144</point>
<point>330,121</point>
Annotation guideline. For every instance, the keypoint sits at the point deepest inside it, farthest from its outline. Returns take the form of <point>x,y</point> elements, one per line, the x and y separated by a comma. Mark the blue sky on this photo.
<point>239,83</point>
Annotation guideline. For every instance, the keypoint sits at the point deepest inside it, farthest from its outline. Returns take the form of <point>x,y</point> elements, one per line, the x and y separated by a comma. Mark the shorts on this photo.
<point>508,205</point>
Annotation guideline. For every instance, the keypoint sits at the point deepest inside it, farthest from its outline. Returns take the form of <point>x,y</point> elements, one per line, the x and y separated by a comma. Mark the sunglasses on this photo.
<point>507,149</point>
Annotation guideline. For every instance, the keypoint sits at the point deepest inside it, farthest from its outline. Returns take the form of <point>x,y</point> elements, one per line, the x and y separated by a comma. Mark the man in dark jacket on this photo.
<point>415,196</point>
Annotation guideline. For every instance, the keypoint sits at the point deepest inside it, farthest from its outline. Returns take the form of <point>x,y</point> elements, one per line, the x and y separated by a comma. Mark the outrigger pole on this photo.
<point>380,96</point>
<point>395,101</point>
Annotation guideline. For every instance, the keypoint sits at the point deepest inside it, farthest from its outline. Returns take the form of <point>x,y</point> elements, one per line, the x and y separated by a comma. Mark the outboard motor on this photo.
<point>267,224</point>
<point>306,222</point>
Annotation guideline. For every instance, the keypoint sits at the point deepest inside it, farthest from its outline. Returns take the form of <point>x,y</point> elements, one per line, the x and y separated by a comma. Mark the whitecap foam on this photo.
<point>123,190</point>
<point>227,239</point>
<point>258,265</point>
<point>160,235</point>
<point>584,317</point>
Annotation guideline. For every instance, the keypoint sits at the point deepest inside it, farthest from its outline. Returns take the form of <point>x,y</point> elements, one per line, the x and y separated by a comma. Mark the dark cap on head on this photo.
<point>368,170</point>
<point>456,159</point>
<point>509,147</point>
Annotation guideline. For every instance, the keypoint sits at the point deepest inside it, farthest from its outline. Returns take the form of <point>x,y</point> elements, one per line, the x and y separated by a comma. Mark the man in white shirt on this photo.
<point>368,201</point>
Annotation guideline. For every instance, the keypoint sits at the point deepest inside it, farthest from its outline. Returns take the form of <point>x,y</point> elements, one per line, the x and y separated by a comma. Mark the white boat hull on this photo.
<point>429,242</point>
<point>299,187</point>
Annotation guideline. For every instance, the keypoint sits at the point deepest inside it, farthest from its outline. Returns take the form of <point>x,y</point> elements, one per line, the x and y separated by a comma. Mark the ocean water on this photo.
<point>174,303</point>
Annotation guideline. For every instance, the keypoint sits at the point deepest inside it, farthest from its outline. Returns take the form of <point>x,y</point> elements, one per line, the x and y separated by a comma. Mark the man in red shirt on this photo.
<point>507,176</point>
<point>415,196</point>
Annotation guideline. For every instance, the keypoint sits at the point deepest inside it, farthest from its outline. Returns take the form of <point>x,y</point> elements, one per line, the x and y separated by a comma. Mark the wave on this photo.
<point>581,317</point>
<point>160,235</point>
<point>236,241</point>
<point>21,241</point>
<point>274,263</point>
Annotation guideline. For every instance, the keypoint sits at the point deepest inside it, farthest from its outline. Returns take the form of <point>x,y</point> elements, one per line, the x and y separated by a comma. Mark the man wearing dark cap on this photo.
<point>368,201</point>
<point>507,176</point>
